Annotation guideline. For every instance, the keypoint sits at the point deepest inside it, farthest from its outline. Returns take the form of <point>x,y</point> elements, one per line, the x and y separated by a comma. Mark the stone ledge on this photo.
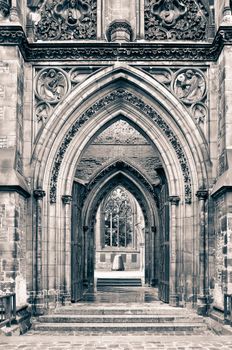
<point>11,180</point>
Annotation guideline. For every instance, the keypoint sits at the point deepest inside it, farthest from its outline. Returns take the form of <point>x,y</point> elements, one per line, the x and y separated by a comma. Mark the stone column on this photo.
<point>39,194</point>
<point>202,303</point>
<point>173,294</point>
<point>86,257</point>
<point>66,261</point>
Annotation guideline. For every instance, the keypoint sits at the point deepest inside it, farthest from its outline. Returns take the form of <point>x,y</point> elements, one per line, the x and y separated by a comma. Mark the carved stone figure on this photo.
<point>169,11</point>
<point>189,85</point>
<point>42,112</point>
<point>52,85</point>
<point>71,11</point>
<point>176,19</point>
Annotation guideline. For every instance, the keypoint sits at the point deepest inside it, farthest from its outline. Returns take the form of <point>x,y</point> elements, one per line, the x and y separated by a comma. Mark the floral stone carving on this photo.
<point>51,85</point>
<point>189,85</point>
<point>67,19</point>
<point>175,19</point>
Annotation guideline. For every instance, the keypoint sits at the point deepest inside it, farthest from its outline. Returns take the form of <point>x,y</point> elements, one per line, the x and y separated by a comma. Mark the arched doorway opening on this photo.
<point>110,95</point>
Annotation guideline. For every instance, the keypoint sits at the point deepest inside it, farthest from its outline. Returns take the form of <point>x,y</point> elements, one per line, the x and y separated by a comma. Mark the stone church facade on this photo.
<point>101,99</point>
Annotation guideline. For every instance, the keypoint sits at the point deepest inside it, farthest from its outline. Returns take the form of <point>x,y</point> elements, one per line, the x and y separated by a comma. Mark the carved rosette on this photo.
<point>67,20</point>
<point>176,20</point>
<point>128,97</point>
<point>189,85</point>
<point>4,8</point>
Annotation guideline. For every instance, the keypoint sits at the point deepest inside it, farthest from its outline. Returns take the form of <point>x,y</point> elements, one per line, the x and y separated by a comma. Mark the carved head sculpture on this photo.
<point>169,11</point>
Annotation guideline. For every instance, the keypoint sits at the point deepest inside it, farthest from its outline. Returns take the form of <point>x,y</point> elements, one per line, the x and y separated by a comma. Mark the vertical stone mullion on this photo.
<point>39,194</point>
<point>173,295</point>
<point>202,195</point>
<point>66,271</point>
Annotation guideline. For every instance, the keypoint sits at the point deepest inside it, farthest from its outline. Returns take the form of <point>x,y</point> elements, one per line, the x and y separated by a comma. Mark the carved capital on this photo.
<point>202,194</point>
<point>174,200</point>
<point>67,199</point>
<point>39,194</point>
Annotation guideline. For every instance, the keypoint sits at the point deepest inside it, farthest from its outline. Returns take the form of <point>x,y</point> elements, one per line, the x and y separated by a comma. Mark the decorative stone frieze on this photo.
<point>4,8</point>
<point>67,199</point>
<point>203,52</point>
<point>128,97</point>
<point>119,31</point>
<point>175,20</point>
<point>67,20</point>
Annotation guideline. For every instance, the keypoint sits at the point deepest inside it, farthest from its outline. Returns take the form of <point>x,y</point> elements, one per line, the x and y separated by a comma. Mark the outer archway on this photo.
<point>144,101</point>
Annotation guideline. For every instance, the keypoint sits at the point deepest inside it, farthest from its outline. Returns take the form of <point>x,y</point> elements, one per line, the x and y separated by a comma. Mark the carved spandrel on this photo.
<point>67,20</point>
<point>176,20</point>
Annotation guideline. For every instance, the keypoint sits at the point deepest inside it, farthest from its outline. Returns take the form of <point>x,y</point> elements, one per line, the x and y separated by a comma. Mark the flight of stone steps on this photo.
<point>153,318</point>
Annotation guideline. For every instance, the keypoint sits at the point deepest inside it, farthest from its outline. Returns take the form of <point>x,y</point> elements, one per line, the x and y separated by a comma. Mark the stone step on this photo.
<point>118,282</point>
<point>117,319</point>
<point>129,327</point>
<point>126,310</point>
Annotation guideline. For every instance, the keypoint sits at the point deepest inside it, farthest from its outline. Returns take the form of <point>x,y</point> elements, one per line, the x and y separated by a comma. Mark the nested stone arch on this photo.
<point>96,86</point>
<point>145,200</point>
<point>120,172</point>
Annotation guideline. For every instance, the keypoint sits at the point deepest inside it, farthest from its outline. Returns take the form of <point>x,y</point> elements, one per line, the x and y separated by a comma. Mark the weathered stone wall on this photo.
<point>13,263</point>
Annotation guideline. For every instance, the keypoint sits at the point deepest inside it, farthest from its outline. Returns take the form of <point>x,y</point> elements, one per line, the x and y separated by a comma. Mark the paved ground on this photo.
<point>149,342</point>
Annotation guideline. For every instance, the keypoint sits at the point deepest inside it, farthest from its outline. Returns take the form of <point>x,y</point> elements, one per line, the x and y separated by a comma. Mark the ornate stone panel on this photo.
<point>66,20</point>
<point>130,98</point>
<point>175,20</point>
<point>120,132</point>
<point>190,87</point>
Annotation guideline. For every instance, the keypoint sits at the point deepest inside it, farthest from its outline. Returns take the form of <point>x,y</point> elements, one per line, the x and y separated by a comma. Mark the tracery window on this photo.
<point>119,219</point>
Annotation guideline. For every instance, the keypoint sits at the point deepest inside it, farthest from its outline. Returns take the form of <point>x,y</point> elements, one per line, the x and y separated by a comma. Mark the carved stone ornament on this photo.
<point>199,112</point>
<point>4,8</point>
<point>189,85</point>
<point>42,112</point>
<point>51,85</point>
<point>39,193</point>
<point>175,19</point>
<point>129,98</point>
<point>202,194</point>
<point>66,20</point>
